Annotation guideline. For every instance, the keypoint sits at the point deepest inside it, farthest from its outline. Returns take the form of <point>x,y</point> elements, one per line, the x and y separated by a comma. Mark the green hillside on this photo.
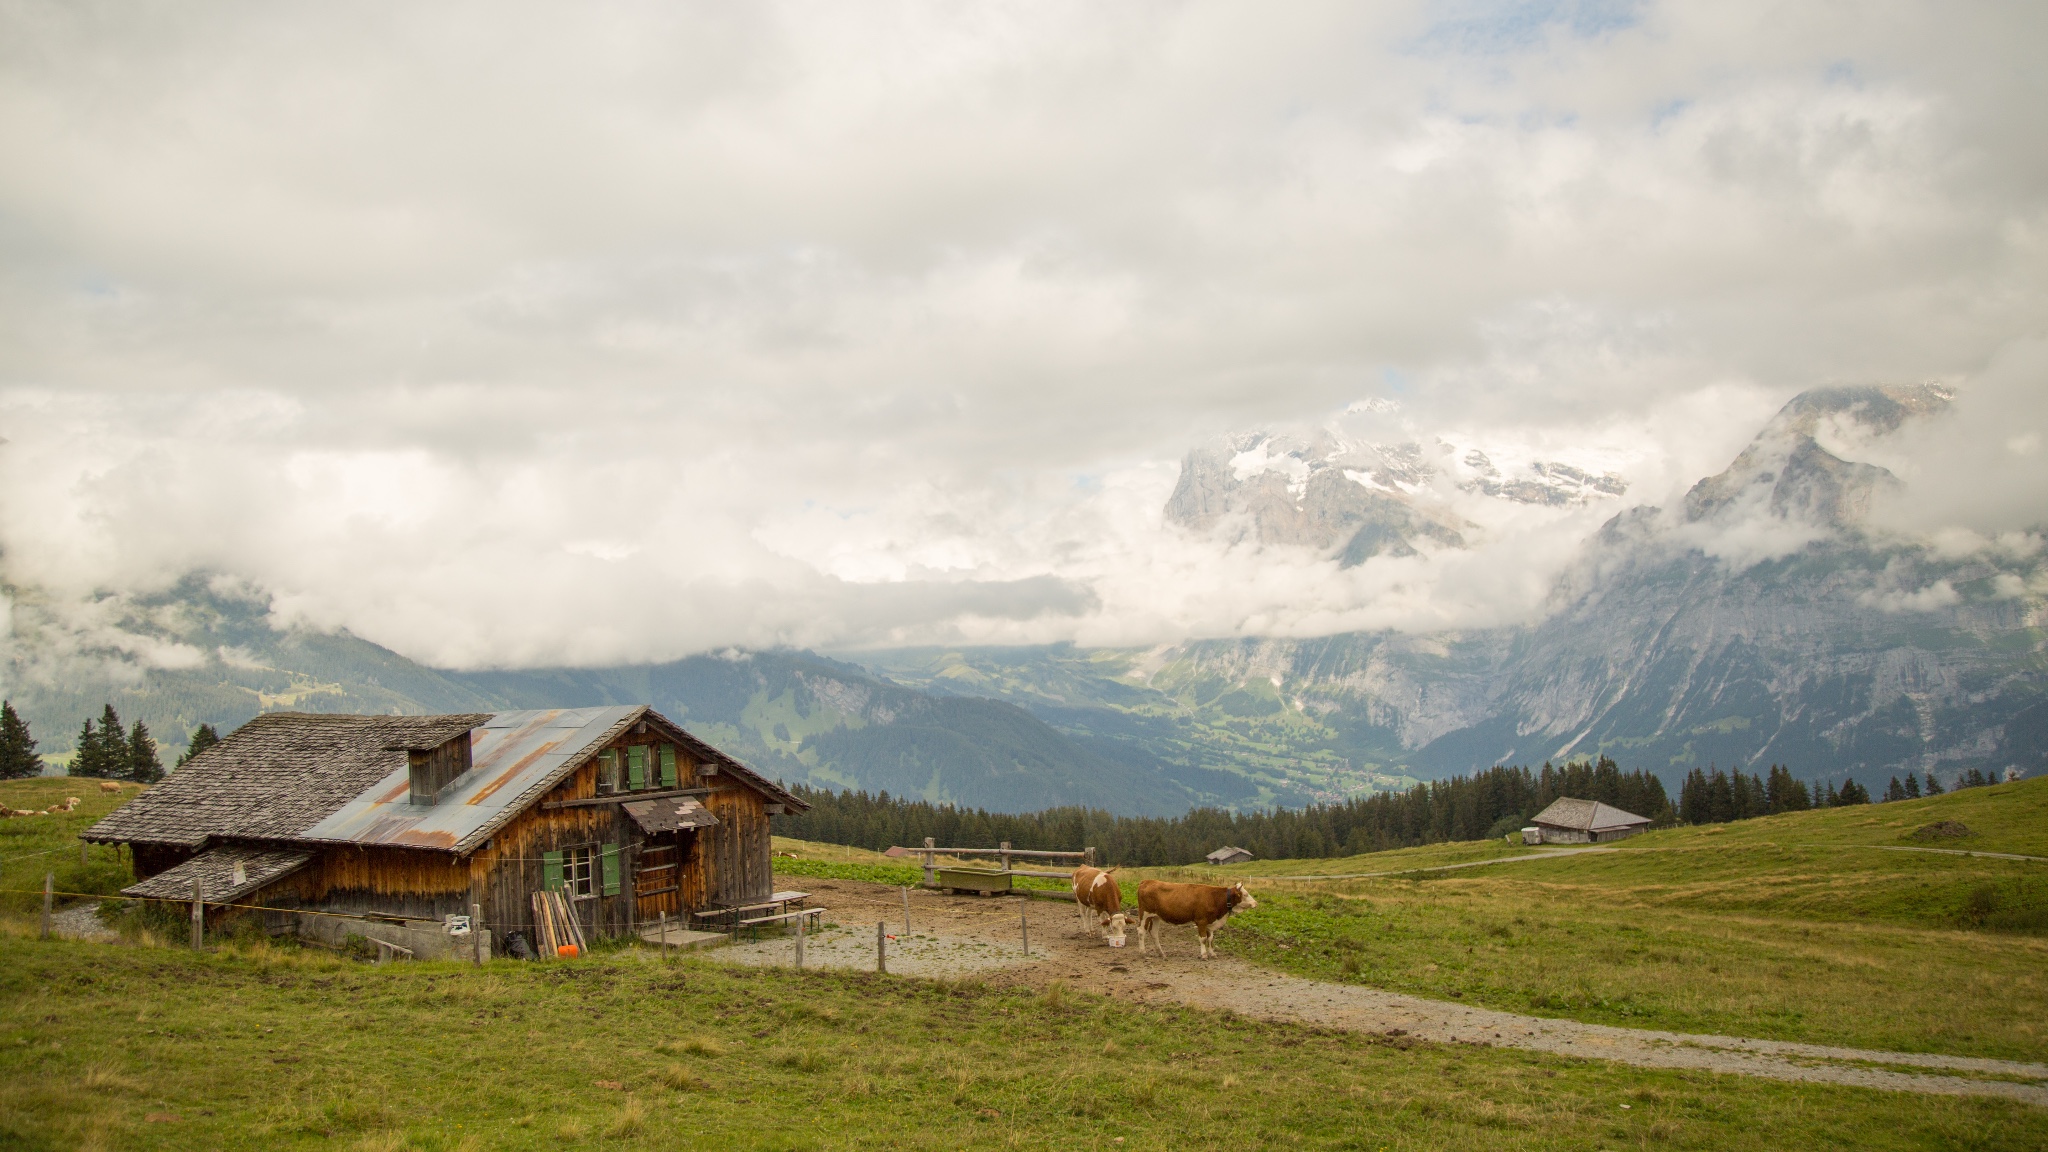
<point>1807,926</point>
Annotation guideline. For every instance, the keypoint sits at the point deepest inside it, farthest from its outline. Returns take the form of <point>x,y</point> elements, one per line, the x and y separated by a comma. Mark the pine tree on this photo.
<point>102,751</point>
<point>1852,793</point>
<point>1933,784</point>
<point>203,737</point>
<point>1720,796</point>
<point>18,759</point>
<point>1912,786</point>
<point>1896,791</point>
<point>144,765</point>
<point>1784,793</point>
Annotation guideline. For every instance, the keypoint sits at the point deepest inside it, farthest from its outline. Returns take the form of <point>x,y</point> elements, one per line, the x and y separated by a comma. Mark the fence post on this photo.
<point>1006,855</point>
<point>476,935</point>
<point>49,897</point>
<point>198,917</point>
<point>906,909</point>
<point>1090,857</point>
<point>1024,919</point>
<point>881,950</point>
<point>800,940</point>
<point>664,934</point>
<point>930,881</point>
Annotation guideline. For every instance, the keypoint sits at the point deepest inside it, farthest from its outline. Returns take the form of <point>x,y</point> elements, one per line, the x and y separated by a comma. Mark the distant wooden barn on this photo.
<point>1229,855</point>
<point>387,825</point>
<point>1569,821</point>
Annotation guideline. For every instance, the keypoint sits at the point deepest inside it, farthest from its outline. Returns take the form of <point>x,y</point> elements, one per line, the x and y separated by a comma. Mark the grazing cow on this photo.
<point>1203,905</point>
<point>1100,903</point>
<point>109,786</point>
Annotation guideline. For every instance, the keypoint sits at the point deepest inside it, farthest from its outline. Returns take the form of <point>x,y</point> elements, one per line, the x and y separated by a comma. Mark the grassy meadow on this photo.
<point>1797,927</point>
<point>1800,927</point>
<point>31,846</point>
<point>278,1048</point>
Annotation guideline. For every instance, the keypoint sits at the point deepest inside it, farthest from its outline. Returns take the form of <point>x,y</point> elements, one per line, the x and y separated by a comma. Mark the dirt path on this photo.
<point>957,936</point>
<point>81,922</point>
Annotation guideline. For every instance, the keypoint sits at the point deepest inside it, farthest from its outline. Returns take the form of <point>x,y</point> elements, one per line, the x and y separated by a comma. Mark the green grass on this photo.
<point>283,1049</point>
<point>872,873</point>
<point>33,845</point>
<point>1792,927</point>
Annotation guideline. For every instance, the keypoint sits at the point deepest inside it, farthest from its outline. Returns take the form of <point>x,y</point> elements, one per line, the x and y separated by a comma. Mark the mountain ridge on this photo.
<point>1758,619</point>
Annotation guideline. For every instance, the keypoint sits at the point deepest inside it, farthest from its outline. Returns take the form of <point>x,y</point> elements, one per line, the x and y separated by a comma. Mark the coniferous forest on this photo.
<point>1483,805</point>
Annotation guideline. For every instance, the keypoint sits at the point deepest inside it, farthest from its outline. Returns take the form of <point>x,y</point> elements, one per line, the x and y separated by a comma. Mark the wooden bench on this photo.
<point>773,911</point>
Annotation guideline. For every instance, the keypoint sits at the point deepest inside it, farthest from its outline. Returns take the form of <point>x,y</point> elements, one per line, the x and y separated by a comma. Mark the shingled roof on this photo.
<point>215,871</point>
<point>303,778</point>
<point>1586,816</point>
<point>273,777</point>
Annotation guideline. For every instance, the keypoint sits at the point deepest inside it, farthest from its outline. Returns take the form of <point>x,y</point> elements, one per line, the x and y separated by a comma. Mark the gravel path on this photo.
<point>81,922</point>
<point>965,935</point>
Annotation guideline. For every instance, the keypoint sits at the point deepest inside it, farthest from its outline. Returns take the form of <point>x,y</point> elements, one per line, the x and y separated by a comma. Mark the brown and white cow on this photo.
<point>1100,903</point>
<point>1204,905</point>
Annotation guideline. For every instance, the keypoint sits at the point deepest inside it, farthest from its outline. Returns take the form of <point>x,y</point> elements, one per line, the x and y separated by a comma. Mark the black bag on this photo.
<point>515,943</point>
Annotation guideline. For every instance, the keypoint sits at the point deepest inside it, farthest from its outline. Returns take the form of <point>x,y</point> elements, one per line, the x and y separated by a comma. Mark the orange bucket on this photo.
<point>567,952</point>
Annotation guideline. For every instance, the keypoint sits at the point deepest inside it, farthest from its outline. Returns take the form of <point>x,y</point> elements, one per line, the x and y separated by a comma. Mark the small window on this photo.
<point>607,771</point>
<point>579,872</point>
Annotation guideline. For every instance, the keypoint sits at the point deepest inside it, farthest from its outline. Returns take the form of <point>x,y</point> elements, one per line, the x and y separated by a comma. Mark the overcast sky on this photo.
<point>506,334</point>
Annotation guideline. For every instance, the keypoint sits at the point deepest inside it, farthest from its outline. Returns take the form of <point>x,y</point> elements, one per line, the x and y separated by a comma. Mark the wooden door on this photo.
<point>657,879</point>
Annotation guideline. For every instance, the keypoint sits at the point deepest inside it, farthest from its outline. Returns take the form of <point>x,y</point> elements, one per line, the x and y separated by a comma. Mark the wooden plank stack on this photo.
<point>556,926</point>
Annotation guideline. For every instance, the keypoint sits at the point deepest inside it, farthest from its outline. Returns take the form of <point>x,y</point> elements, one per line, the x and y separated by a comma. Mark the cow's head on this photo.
<point>1115,923</point>
<point>1237,899</point>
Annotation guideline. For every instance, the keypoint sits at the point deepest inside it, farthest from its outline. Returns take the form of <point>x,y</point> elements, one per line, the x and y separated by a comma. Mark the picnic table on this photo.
<point>779,908</point>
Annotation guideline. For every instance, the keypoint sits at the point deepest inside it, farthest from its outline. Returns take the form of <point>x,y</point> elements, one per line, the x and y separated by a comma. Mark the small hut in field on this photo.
<point>1569,821</point>
<point>1229,855</point>
<point>386,826</point>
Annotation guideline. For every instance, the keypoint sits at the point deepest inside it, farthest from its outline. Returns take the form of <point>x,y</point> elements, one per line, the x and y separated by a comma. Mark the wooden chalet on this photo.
<point>1569,821</point>
<point>385,826</point>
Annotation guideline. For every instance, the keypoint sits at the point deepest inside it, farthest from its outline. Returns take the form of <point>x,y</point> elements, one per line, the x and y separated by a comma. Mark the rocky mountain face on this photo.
<point>1761,621</point>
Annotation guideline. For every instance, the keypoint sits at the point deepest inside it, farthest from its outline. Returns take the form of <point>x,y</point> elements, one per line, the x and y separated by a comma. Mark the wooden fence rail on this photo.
<point>931,850</point>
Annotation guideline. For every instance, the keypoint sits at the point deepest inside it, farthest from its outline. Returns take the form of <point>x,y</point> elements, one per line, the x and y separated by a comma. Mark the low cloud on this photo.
<point>500,336</point>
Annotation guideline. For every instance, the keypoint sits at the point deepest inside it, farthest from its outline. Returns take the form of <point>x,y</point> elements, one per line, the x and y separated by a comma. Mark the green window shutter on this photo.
<point>610,859</point>
<point>668,766</point>
<point>551,871</point>
<point>636,766</point>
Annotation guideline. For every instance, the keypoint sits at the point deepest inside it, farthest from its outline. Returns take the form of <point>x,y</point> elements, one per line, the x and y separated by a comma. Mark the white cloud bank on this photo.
<point>509,334</point>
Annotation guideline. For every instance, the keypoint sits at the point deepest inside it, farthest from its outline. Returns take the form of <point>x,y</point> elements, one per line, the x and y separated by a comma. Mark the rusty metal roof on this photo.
<point>514,756</point>
<point>306,778</point>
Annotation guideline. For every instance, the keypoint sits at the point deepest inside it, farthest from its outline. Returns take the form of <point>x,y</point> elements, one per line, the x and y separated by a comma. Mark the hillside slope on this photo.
<point>217,660</point>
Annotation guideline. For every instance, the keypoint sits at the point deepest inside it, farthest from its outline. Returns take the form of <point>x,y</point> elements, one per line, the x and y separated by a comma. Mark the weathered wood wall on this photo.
<point>729,863</point>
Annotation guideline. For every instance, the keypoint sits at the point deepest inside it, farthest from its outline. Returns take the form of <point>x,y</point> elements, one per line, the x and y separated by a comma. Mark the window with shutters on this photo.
<point>579,872</point>
<point>607,771</point>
